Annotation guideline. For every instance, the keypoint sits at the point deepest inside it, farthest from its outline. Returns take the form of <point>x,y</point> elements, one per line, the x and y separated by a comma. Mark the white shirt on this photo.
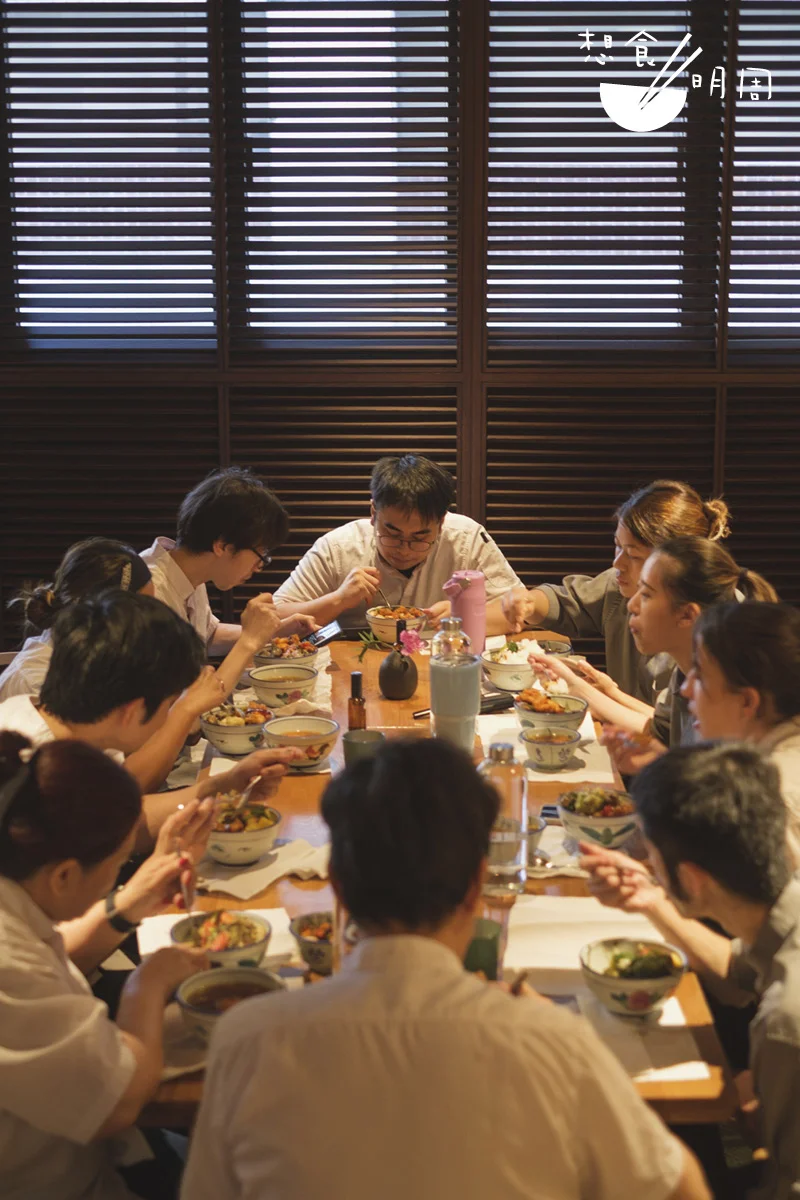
<point>21,715</point>
<point>405,1078</point>
<point>176,591</point>
<point>782,744</point>
<point>462,545</point>
<point>26,674</point>
<point>63,1065</point>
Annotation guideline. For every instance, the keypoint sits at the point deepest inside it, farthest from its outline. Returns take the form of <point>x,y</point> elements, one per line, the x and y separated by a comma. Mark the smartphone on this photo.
<point>327,634</point>
<point>550,814</point>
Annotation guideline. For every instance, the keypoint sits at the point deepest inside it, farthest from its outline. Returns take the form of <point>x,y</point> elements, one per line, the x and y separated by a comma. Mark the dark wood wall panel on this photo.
<point>112,462</point>
<point>762,483</point>
<point>317,447</point>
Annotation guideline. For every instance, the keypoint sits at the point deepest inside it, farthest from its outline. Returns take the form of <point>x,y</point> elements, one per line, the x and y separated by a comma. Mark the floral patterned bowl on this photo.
<point>315,736</point>
<point>281,685</point>
<point>629,997</point>
<point>549,755</point>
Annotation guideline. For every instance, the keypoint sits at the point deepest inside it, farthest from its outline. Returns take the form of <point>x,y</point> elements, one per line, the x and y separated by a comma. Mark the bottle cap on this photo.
<point>356,685</point>
<point>501,752</point>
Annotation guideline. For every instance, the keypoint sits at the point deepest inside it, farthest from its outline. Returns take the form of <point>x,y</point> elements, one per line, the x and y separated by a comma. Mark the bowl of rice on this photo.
<point>507,667</point>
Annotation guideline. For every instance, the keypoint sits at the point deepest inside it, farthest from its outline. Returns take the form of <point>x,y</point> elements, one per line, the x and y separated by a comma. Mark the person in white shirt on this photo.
<point>407,549</point>
<point>70,1079</point>
<point>403,1076</point>
<point>227,526</point>
<point>88,566</point>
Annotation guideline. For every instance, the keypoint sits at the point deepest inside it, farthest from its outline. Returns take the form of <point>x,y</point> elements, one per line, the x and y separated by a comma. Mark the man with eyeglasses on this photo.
<point>402,554</point>
<point>226,527</point>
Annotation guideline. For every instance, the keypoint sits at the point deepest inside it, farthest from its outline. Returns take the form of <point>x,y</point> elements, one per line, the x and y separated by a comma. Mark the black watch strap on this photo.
<point>115,919</point>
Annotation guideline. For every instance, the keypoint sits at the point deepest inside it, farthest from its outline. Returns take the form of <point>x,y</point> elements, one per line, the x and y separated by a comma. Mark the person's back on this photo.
<point>403,1077</point>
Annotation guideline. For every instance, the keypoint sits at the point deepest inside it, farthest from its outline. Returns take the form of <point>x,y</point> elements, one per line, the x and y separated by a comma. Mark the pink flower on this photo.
<point>410,641</point>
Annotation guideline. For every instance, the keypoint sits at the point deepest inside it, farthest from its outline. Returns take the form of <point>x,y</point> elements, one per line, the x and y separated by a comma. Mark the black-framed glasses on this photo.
<point>393,542</point>
<point>263,559</point>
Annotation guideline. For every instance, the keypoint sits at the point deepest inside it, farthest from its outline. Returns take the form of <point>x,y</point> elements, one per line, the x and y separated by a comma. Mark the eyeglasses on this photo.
<point>263,559</point>
<point>392,542</point>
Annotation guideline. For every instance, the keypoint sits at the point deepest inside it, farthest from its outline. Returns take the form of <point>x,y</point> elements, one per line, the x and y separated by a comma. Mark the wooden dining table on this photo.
<point>175,1104</point>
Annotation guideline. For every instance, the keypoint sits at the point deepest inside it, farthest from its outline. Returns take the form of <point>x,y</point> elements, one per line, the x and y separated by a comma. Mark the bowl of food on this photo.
<point>315,736</point>
<point>632,979</point>
<point>559,649</point>
<point>242,835</point>
<point>384,617</point>
<point>313,933</point>
<point>235,728</point>
<point>597,814</point>
<point>536,827</point>
<point>549,749</point>
<point>204,997</point>
<point>287,649</point>
<point>543,710</point>
<point>280,685</point>
<point>507,667</point>
<point>229,939</point>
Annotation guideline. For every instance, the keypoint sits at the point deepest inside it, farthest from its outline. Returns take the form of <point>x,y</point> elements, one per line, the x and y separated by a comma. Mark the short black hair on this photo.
<point>409,829</point>
<point>412,484</point>
<point>114,648</point>
<point>233,506</point>
<point>720,807</point>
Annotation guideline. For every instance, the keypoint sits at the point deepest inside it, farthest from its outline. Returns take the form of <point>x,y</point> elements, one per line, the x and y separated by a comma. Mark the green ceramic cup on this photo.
<point>483,952</point>
<point>361,743</point>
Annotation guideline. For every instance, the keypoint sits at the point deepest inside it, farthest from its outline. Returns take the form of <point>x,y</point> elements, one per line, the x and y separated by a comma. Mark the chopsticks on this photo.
<point>650,94</point>
<point>517,985</point>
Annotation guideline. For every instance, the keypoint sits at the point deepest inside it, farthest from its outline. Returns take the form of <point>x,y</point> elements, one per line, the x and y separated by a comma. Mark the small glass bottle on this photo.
<point>356,705</point>
<point>508,846</point>
<point>450,638</point>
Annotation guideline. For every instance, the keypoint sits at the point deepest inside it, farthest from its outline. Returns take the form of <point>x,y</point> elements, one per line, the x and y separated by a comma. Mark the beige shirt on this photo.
<point>63,1065</point>
<point>782,744</point>
<point>177,592</point>
<point>26,674</point>
<point>21,715</point>
<point>405,1078</point>
<point>462,545</point>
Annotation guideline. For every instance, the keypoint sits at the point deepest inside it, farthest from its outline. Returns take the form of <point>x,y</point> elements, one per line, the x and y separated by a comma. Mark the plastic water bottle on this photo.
<point>508,846</point>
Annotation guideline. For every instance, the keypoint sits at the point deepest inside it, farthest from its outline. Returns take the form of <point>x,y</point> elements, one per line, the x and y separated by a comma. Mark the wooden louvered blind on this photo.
<point>342,128</point>
<point>109,180</point>
<point>80,463</point>
<point>317,448</point>
<point>762,483</point>
<point>601,242</point>
<point>764,310</point>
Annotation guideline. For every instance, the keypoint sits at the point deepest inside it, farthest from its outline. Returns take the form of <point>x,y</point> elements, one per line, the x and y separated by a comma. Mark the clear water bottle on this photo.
<point>455,675</point>
<point>508,846</point>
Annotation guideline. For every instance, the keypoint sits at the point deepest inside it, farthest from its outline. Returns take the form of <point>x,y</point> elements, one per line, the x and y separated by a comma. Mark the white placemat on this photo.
<point>289,858</point>
<point>547,932</point>
<point>563,861</point>
<point>590,762</point>
<point>154,933</point>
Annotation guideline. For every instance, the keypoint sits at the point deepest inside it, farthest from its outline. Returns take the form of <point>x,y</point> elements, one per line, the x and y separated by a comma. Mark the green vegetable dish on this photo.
<point>597,802</point>
<point>641,962</point>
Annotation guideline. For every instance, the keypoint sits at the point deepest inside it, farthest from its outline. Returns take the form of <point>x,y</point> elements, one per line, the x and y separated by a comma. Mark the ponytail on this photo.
<point>699,571</point>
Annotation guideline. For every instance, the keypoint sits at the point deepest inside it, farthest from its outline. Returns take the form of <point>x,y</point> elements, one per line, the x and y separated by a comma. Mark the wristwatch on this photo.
<point>115,919</point>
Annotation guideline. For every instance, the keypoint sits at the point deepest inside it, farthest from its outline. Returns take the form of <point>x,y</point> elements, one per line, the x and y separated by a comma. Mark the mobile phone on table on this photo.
<point>327,634</point>
<point>549,812</point>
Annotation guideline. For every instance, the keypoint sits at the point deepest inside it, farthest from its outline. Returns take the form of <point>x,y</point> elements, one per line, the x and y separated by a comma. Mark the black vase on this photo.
<point>397,676</point>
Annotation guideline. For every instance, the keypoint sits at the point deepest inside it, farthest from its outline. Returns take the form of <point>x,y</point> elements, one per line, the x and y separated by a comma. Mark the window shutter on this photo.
<point>342,174</point>
<point>317,448</point>
<point>602,243</point>
<point>764,312</point>
<point>110,195</point>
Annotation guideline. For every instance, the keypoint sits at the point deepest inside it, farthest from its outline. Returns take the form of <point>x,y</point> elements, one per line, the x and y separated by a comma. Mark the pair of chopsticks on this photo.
<point>652,91</point>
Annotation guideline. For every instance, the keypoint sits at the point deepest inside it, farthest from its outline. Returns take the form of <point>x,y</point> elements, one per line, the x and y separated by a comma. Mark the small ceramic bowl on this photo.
<point>239,849</point>
<point>508,677</point>
<point>557,648</point>
<point>571,718</point>
<point>629,997</point>
<point>241,956</point>
<point>536,827</point>
<point>233,739</point>
<point>197,1018</point>
<point>315,736</point>
<point>265,659</point>
<point>545,755</point>
<point>385,628</point>
<point>283,684</point>
<point>609,832</point>
<point>318,955</point>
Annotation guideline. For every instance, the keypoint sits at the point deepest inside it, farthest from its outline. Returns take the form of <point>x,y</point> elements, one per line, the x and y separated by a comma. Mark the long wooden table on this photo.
<point>175,1104</point>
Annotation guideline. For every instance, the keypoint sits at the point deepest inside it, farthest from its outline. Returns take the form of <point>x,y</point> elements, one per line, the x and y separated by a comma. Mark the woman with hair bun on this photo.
<point>88,566</point>
<point>595,606</point>
<point>70,1078</point>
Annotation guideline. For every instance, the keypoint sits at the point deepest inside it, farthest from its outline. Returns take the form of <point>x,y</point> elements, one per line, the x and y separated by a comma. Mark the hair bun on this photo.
<point>11,747</point>
<point>40,605</point>
<point>718,519</point>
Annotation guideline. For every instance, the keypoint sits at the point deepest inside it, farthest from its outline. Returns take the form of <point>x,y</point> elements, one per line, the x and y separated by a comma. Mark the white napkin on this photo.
<point>290,858</point>
<point>546,933</point>
<point>154,933</point>
<point>590,762</point>
<point>563,860</point>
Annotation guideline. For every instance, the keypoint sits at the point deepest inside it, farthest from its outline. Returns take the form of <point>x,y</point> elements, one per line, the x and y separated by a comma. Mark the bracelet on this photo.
<point>115,919</point>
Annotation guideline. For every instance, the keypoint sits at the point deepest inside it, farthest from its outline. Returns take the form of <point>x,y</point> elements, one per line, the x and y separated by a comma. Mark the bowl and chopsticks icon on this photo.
<point>644,109</point>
